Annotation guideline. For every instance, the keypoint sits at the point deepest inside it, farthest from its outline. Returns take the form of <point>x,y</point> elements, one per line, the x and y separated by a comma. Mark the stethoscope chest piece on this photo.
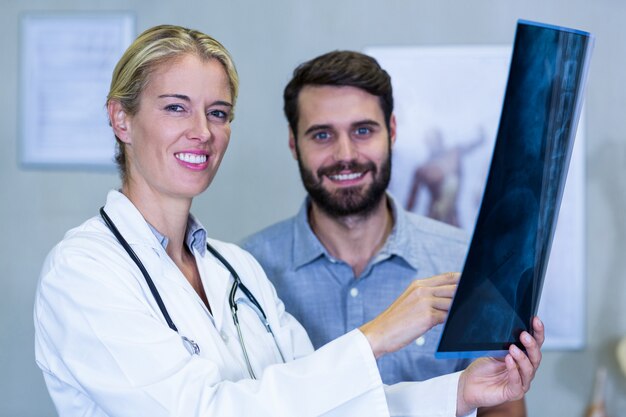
<point>191,346</point>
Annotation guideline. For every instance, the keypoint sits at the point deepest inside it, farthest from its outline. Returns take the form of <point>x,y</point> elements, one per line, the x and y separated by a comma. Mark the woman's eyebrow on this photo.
<point>179,96</point>
<point>188,99</point>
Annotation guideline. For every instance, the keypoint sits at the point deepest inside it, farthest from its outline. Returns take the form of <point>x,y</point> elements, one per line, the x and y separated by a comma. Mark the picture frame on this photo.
<point>66,62</point>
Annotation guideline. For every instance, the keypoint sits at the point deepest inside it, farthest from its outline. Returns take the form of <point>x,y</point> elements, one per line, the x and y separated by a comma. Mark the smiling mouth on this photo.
<point>346,172</point>
<point>191,158</point>
<point>346,177</point>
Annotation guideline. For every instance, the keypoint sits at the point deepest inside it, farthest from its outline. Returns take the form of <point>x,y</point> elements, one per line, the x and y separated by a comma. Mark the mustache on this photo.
<point>353,166</point>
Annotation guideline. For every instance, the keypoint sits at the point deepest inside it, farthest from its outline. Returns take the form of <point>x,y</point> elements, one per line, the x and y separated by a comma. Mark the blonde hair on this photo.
<point>154,47</point>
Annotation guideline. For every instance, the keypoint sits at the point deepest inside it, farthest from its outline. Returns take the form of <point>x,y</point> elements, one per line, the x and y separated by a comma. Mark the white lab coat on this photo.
<point>106,350</point>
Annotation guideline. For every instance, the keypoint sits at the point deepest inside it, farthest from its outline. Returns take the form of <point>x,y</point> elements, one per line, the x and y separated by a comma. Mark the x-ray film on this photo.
<point>501,281</point>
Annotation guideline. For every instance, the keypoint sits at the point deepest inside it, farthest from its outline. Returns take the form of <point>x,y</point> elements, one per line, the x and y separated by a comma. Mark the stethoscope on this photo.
<point>192,346</point>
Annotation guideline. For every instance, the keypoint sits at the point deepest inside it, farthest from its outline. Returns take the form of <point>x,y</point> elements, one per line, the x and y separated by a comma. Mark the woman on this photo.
<point>139,313</point>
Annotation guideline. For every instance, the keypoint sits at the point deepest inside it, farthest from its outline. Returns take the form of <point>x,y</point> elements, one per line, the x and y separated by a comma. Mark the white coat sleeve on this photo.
<point>104,352</point>
<point>434,397</point>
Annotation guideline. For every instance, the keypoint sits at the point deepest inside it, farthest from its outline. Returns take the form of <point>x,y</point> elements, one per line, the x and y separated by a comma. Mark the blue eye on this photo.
<point>218,114</point>
<point>321,136</point>
<point>177,108</point>
<point>363,131</point>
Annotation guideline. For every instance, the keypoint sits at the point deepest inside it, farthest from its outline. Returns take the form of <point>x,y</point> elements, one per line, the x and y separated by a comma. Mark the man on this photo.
<point>352,250</point>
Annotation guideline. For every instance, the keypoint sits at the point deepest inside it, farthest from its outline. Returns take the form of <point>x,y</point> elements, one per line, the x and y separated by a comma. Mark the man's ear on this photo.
<point>292,144</point>
<point>120,121</point>
<point>392,129</point>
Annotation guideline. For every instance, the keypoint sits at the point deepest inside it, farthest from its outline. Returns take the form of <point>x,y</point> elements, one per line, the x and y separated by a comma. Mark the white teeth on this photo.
<point>346,177</point>
<point>191,158</point>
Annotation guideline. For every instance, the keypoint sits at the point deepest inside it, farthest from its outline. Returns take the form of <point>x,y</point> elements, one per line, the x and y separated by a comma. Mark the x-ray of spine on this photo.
<point>562,129</point>
<point>503,274</point>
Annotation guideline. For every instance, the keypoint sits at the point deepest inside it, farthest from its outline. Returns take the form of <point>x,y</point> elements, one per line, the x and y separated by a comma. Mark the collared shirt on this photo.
<point>195,236</point>
<point>325,296</point>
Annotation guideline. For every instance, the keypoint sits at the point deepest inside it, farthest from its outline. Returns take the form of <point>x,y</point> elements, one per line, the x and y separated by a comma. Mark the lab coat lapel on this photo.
<point>217,282</point>
<point>139,236</point>
<point>129,220</point>
<point>215,277</point>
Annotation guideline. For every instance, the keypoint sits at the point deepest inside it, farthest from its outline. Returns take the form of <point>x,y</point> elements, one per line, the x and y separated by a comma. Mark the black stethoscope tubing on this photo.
<point>146,275</point>
<point>231,299</point>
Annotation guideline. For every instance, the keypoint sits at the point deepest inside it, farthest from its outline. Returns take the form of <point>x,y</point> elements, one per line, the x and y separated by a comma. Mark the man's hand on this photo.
<point>489,381</point>
<point>424,304</point>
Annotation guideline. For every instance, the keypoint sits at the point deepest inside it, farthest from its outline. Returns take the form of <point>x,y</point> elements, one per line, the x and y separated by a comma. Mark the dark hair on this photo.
<point>339,68</point>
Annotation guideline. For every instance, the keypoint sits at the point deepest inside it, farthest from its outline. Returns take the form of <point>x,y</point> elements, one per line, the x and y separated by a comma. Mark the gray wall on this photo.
<point>259,184</point>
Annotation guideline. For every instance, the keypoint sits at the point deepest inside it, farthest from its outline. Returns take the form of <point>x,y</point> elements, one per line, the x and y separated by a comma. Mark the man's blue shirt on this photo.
<point>325,296</point>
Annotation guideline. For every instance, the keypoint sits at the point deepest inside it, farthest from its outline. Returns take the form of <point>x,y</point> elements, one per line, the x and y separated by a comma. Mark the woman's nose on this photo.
<point>200,128</point>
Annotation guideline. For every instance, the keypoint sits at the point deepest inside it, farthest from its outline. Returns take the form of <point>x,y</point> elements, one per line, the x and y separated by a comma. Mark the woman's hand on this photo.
<point>490,381</point>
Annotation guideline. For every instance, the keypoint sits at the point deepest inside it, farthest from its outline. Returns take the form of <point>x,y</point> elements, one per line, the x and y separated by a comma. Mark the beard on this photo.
<point>359,200</point>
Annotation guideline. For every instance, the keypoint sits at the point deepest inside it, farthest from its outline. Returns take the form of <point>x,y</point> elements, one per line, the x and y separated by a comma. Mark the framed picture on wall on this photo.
<point>66,62</point>
<point>447,104</point>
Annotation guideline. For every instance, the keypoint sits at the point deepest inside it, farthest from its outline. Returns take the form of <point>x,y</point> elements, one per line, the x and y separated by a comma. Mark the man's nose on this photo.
<point>344,149</point>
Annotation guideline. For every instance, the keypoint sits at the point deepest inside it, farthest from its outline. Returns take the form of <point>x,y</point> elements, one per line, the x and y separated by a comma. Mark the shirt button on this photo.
<point>224,336</point>
<point>354,292</point>
<point>420,341</point>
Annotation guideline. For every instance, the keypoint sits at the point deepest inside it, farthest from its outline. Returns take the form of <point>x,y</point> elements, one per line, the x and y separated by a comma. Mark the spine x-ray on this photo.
<point>504,269</point>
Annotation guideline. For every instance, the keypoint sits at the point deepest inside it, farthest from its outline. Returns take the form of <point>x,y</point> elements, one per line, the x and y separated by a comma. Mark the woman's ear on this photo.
<point>120,121</point>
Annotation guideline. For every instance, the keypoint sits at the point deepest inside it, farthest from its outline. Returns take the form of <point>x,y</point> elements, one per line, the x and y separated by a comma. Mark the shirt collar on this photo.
<point>195,236</point>
<point>402,242</point>
<point>307,246</point>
